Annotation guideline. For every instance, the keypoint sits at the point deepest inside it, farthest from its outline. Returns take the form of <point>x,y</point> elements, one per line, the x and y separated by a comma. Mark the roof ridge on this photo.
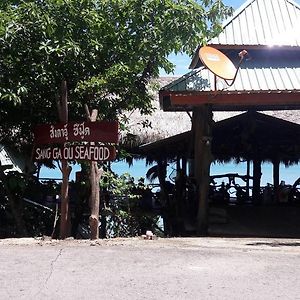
<point>239,10</point>
<point>236,13</point>
<point>293,3</point>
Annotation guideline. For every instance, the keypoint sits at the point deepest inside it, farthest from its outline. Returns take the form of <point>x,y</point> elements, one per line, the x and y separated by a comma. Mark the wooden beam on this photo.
<point>253,47</point>
<point>235,99</point>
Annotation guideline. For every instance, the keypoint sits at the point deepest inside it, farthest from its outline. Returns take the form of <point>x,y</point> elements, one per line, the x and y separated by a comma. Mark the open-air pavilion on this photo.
<point>269,79</point>
<point>252,137</point>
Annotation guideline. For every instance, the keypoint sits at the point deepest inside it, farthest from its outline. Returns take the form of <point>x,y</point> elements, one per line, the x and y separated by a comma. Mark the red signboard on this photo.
<point>101,131</point>
<point>76,152</point>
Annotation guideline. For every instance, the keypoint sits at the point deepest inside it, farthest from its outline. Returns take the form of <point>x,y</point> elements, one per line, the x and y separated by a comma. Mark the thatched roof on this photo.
<point>254,135</point>
<point>167,124</point>
<point>250,135</point>
<point>162,123</point>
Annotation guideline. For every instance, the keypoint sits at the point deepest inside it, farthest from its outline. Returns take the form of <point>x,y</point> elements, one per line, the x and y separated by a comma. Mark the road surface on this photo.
<point>181,268</point>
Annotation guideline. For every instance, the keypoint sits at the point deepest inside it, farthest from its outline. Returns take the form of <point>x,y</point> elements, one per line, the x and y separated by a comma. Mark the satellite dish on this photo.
<point>218,63</point>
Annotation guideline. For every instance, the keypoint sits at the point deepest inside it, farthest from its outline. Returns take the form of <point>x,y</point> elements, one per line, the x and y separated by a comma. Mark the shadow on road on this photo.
<point>275,244</point>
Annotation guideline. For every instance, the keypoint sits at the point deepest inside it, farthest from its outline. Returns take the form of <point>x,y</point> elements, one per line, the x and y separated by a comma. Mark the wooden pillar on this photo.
<point>256,181</point>
<point>202,123</point>
<point>276,178</point>
<point>164,197</point>
<point>162,172</point>
<point>184,165</point>
<point>248,178</point>
<point>180,184</point>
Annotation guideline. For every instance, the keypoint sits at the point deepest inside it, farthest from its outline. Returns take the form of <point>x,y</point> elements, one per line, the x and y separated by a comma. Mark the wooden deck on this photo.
<point>257,221</point>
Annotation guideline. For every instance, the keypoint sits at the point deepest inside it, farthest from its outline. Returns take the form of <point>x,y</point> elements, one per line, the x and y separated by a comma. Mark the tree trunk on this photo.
<point>65,227</point>
<point>95,175</point>
<point>65,223</point>
<point>202,122</point>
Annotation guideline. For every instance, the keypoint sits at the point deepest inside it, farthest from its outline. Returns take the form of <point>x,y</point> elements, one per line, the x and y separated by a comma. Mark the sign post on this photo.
<point>95,176</point>
<point>79,141</point>
<point>65,169</point>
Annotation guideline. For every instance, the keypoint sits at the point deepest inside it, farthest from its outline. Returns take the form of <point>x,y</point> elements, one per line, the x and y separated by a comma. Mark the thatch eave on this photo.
<point>248,136</point>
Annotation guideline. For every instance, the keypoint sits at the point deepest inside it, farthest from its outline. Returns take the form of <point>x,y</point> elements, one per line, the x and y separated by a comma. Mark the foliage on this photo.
<point>106,50</point>
<point>38,219</point>
<point>125,209</point>
<point>118,185</point>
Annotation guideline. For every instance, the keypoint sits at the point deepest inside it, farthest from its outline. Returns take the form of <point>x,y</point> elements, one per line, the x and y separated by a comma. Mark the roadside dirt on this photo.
<point>182,243</point>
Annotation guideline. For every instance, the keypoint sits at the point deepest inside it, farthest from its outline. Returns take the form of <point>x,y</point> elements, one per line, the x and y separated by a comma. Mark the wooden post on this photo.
<point>64,212</point>
<point>95,175</point>
<point>276,178</point>
<point>184,165</point>
<point>164,197</point>
<point>248,179</point>
<point>256,181</point>
<point>202,123</point>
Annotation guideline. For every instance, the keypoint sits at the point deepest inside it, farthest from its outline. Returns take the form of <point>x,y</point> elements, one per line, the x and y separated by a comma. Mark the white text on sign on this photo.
<point>79,152</point>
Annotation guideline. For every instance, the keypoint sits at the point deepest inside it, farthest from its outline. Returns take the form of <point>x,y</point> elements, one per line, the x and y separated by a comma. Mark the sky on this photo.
<point>182,61</point>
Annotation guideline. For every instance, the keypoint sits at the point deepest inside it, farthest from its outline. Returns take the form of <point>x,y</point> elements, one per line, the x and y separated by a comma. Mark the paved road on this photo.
<point>196,268</point>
